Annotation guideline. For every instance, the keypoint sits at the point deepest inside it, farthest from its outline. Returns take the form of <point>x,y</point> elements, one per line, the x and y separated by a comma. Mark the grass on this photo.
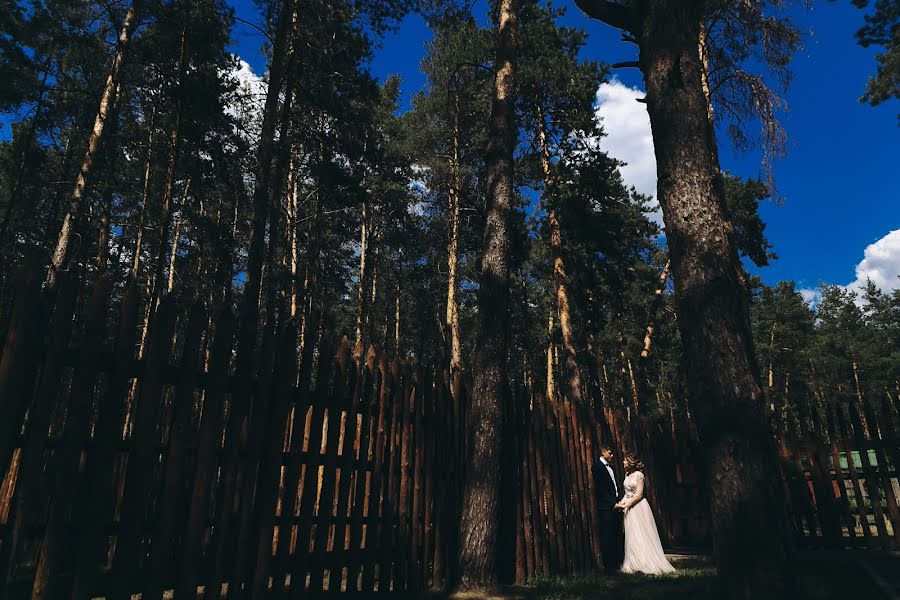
<point>818,577</point>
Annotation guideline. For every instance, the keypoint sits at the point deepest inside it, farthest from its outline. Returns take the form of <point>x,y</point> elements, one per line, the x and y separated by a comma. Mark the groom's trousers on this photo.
<point>611,540</point>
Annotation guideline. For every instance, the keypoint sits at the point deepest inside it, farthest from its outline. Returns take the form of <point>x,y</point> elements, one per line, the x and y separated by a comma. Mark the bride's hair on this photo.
<point>633,463</point>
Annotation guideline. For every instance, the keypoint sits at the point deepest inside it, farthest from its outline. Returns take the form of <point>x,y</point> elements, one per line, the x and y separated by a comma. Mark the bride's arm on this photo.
<point>638,493</point>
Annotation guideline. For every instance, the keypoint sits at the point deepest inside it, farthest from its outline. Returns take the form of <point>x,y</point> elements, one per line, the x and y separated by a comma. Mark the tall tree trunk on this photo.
<point>165,218</point>
<point>61,251</point>
<point>103,226</point>
<point>453,250</point>
<point>749,518</point>
<point>551,345</point>
<point>713,309</point>
<point>292,237</point>
<point>139,234</point>
<point>173,253</point>
<point>397,319</point>
<point>249,315</point>
<point>481,514</point>
<point>559,271</point>
<point>363,274</point>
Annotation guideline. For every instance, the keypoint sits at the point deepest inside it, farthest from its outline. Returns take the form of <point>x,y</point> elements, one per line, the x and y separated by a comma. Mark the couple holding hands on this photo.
<point>618,500</point>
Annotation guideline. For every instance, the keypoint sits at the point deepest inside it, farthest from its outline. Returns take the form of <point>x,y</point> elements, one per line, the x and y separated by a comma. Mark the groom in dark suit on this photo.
<point>609,491</point>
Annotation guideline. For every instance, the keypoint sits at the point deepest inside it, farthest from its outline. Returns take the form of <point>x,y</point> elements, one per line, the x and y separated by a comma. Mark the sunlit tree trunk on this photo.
<point>453,250</point>
<point>655,306</point>
<point>107,98</point>
<point>573,370</point>
<point>551,346</point>
<point>173,253</point>
<point>361,290</point>
<point>165,217</point>
<point>139,233</point>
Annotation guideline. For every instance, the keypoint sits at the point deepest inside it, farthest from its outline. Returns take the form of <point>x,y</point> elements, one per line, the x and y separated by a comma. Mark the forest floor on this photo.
<point>820,576</point>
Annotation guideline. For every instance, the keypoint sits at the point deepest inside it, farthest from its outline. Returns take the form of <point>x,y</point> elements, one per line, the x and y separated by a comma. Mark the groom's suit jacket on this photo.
<point>607,494</point>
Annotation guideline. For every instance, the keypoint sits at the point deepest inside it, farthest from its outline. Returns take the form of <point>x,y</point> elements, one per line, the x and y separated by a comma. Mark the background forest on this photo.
<point>375,219</point>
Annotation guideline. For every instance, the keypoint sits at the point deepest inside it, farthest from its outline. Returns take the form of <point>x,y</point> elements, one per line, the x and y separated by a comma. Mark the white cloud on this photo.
<point>881,264</point>
<point>248,99</point>
<point>810,295</point>
<point>628,137</point>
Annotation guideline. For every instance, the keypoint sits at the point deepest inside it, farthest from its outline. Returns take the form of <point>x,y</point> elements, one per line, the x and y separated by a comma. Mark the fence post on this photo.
<point>302,557</point>
<point>169,519</point>
<point>30,483</point>
<point>95,507</point>
<point>19,361</point>
<point>212,422</point>
<point>140,481</point>
<point>66,469</point>
<point>263,526</point>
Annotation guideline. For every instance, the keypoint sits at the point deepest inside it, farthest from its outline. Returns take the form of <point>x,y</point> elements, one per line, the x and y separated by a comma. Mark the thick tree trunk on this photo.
<point>61,251</point>
<point>453,251</point>
<point>713,310</point>
<point>481,514</point>
<point>573,370</point>
<point>748,513</point>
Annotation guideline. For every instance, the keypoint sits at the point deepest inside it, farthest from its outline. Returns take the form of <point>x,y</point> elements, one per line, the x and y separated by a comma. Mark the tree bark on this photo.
<point>61,251</point>
<point>453,250</point>
<point>651,317</point>
<point>481,515</point>
<point>713,309</point>
<point>551,345</point>
<point>748,513</point>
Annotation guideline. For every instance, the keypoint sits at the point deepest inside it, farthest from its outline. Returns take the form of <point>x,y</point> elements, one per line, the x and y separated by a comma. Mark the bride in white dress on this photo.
<point>643,549</point>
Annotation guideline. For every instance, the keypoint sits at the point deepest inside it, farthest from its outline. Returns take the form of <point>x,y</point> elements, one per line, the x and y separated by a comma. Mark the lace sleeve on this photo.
<point>638,492</point>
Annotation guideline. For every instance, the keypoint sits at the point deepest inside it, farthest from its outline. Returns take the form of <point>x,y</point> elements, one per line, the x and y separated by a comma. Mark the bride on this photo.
<point>643,550</point>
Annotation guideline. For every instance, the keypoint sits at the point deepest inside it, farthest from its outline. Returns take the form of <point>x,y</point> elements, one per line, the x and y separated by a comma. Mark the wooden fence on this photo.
<point>840,464</point>
<point>170,472</point>
<point>145,475</point>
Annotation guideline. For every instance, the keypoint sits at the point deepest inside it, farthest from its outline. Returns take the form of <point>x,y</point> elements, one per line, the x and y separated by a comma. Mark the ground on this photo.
<point>820,575</point>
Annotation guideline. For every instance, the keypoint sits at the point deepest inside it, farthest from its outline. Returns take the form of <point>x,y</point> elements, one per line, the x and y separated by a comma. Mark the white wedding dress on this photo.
<point>643,549</point>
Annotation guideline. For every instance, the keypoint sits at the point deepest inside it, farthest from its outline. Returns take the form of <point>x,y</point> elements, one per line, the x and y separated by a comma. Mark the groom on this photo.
<point>609,491</point>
